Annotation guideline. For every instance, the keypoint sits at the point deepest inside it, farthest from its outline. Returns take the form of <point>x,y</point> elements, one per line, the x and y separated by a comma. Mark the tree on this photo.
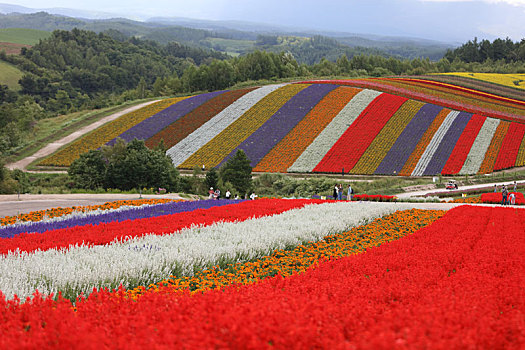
<point>138,167</point>
<point>141,88</point>
<point>238,172</point>
<point>212,177</point>
<point>2,170</point>
<point>88,171</point>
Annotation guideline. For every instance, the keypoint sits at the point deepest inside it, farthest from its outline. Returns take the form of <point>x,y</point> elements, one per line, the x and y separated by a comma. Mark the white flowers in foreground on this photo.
<point>314,153</point>
<point>149,259</point>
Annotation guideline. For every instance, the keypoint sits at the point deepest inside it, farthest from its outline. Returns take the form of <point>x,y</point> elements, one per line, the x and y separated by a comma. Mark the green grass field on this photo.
<point>9,75</point>
<point>22,35</point>
<point>232,47</point>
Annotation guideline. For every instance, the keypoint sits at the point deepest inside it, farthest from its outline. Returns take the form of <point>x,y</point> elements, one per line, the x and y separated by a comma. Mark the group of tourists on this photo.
<point>338,192</point>
<point>507,198</point>
<point>216,194</point>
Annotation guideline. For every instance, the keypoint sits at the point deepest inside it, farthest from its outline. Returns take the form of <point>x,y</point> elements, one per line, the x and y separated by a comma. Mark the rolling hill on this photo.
<point>391,126</point>
<point>229,36</point>
<point>9,74</point>
<point>22,36</point>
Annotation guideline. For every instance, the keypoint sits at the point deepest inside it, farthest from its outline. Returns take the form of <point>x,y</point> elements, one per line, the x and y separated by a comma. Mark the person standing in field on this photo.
<point>228,194</point>
<point>340,192</point>
<point>349,193</point>
<point>335,192</point>
<point>495,188</point>
<point>512,199</point>
<point>515,186</point>
<point>504,194</point>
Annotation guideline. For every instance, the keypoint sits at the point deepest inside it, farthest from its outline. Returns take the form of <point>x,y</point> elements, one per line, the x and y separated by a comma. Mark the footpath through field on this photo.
<point>14,205</point>
<point>11,204</point>
<point>488,186</point>
<point>53,146</point>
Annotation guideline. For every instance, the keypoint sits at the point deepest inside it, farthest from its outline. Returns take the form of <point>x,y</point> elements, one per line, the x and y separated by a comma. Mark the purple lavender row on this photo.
<point>445,148</point>
<point>114,216</point>
<point>159,121</point>
<point>397,156</point>
<point>281,123</point>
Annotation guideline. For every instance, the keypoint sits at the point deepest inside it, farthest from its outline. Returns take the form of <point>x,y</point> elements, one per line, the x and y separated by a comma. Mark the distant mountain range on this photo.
<point>233,37</point>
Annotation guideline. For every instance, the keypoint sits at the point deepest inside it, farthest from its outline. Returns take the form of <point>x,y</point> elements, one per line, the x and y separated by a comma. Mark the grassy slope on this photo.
<point>9,75</point>
<point>52,129</point>
<point>22,35</point>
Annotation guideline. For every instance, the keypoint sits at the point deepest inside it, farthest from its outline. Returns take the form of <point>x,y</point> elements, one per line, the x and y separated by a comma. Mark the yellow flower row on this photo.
<point>513,80</point>
<point>378,149</point>
<point>492,152</point>
<point>223,144</point>
<point>65,156</point>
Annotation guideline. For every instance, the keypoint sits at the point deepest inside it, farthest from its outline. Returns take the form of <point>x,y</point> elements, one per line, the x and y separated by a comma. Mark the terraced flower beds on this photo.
<point>387,126</point>
<point>468,81</point>
<point>301,278</point>
<point>106,133</point>
<point>515,81</point>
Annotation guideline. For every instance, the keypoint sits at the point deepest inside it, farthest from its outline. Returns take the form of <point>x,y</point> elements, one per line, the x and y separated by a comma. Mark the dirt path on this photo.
<point>52,147</point>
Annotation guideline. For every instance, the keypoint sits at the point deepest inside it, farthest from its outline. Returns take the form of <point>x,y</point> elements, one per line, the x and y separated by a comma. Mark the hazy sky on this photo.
<point>446,20</point>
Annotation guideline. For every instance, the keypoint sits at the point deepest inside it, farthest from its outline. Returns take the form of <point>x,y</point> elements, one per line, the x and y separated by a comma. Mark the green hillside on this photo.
<point>22,35</point>
<point>9,75</point>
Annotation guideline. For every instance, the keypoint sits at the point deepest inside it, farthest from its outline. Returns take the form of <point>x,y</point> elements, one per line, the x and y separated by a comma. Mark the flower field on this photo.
<point>274,273</point>
<point>106,133</point>
<point>516,81</point>
<point>384,126</point>
<point>144,245</point>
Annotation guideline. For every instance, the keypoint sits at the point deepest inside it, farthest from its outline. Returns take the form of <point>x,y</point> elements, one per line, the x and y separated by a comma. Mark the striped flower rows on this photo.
<point>140,261</point>
<point>327,138</point>
<point>106,133</point>
<point>332,128</point>
<point>219,123</point>
<point>241,129</point>
<point>379,147</point>
<point>479,147</point>
<point>446,282</point>
<point>285,153</point>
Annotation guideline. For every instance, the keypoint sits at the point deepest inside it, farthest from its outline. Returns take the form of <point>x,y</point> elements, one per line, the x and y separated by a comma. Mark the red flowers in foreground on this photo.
<point>457,283</point>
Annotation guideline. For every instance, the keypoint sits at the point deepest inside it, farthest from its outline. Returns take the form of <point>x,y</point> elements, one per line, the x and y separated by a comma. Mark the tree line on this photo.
<point>504,50</point>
